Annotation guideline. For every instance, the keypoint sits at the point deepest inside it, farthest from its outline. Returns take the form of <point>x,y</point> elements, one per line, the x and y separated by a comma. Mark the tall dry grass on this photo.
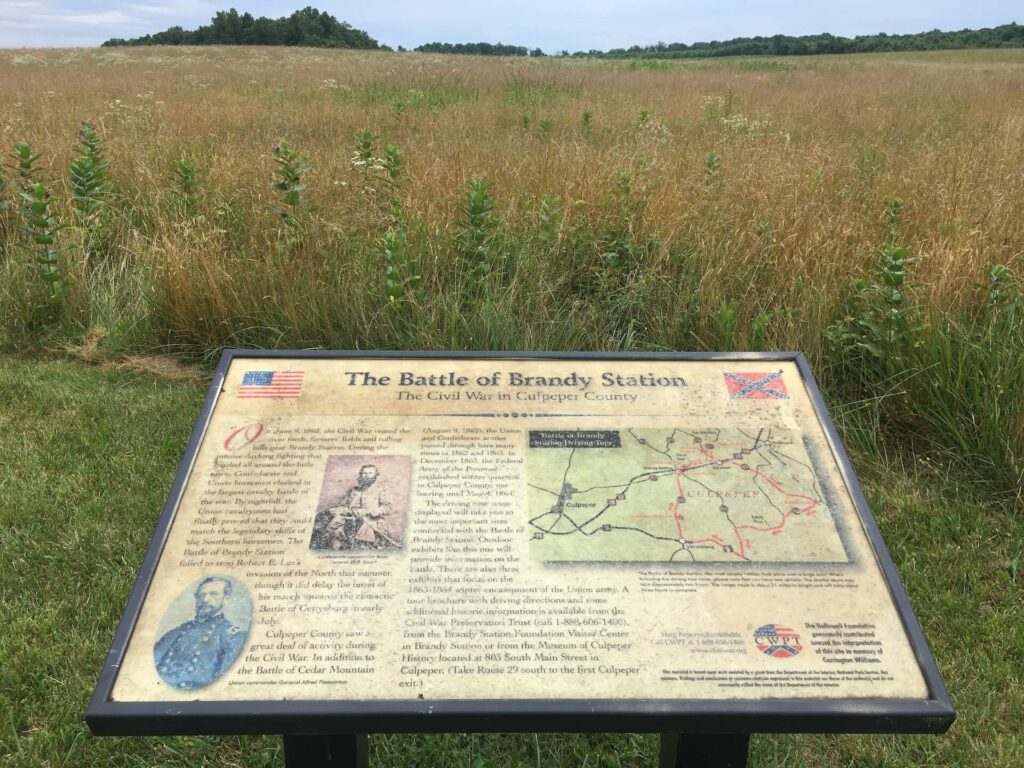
<point>757,189</point>
<point>811,153</point>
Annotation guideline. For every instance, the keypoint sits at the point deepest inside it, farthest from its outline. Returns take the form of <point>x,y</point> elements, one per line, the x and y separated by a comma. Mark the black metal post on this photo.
<point>704,750</point>
<point>347,750</point>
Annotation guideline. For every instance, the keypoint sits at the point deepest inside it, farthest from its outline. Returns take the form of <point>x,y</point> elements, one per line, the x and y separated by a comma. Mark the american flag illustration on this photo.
<point>271,384</point>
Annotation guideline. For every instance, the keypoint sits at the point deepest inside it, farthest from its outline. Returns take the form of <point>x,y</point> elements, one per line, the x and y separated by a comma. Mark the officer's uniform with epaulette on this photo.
<point>197,652</point>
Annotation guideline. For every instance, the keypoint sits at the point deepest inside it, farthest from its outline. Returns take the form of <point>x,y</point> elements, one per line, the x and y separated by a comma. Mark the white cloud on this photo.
<point>106,17</point>
<point>183,10</point>
<point>159,10</point>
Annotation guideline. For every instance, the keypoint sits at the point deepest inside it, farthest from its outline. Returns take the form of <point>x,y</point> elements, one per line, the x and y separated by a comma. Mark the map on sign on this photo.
<point>677,495</point>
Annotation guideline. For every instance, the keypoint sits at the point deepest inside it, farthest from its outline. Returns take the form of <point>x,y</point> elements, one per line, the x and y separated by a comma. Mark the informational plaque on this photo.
<point>540,536</point>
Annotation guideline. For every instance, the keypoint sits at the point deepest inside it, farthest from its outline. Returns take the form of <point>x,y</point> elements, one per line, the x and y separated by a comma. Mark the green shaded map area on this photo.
<point>678,495</point>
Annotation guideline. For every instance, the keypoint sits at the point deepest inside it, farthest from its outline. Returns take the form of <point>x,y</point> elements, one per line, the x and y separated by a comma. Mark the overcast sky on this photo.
<point>549,24</point>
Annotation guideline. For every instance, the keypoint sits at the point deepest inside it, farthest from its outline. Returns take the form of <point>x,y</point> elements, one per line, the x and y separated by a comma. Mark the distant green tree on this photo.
<point>479,49</point>
<point>1005,36</point>
<point>307,27</point>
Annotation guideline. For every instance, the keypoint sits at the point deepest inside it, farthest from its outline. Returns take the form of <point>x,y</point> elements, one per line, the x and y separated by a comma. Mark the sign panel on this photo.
<point>517,528</point>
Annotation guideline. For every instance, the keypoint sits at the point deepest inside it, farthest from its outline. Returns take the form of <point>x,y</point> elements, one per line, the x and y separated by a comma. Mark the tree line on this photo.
<point>308,27</point>
<point>480,49</point>
<point>1005,36</point>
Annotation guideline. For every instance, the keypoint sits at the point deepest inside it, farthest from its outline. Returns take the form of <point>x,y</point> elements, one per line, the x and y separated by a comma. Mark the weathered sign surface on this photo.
<point>517,528</point>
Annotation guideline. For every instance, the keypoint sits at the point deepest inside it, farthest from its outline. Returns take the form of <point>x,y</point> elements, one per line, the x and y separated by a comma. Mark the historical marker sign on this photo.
<point>434,542</point>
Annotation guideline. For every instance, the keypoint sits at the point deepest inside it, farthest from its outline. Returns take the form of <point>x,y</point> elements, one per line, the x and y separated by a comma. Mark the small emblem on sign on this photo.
<point>756,386</point>
<point>778,641</point>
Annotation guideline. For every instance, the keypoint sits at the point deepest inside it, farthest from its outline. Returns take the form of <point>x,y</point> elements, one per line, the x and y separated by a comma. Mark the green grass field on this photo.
<point>89,452</point>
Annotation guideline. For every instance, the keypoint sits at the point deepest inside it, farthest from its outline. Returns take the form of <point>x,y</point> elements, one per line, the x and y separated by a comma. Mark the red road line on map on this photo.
<point>774,484</point>
<point>781,523</point>
<point>709,456</point>
<point>812,503</point>
<point>675,515</point>
<point>677,502</point>
<point>714,539</point>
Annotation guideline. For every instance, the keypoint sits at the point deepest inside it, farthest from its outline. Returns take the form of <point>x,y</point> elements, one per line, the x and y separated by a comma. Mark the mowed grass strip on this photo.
<point>89,453</point>
<point>87,458</point>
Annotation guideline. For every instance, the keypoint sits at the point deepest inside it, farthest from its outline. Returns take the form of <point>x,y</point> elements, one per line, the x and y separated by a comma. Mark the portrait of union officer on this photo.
<point>196,653</point>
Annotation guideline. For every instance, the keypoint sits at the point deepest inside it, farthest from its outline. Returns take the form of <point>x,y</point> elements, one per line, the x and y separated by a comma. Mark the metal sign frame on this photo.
<point>933,714</point>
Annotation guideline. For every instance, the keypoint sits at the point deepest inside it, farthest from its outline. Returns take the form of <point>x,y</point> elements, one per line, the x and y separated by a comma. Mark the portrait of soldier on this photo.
<point>199,651</point>
<point>361,519</point>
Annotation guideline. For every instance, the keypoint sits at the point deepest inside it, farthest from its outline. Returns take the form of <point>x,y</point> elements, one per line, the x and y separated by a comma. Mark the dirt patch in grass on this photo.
<point>90,350</point>
<point>161,365</point>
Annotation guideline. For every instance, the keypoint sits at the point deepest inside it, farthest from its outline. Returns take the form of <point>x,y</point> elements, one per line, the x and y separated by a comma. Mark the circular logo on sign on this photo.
<point>778,641</point>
